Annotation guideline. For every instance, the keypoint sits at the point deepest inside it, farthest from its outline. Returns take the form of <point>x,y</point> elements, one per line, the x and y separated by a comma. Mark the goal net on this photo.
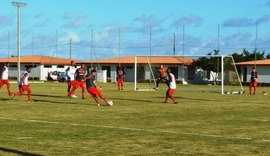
<point>201,73</point>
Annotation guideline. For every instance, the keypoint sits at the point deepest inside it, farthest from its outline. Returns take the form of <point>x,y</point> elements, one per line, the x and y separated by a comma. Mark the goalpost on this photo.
<point>201,73</point>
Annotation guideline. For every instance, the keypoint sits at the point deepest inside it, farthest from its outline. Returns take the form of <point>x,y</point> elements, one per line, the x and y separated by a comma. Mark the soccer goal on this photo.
<point>200,73</point>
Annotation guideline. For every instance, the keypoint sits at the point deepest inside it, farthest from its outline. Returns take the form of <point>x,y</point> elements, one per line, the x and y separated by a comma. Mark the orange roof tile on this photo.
<point>145,60</point>
<point>252,63</point>
<point>38,60</point>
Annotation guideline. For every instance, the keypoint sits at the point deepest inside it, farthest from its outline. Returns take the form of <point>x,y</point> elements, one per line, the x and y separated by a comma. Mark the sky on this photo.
<point>123,27</point>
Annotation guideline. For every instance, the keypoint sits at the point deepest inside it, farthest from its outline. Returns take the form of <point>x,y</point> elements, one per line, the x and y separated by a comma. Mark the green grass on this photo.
<point>138,123</point>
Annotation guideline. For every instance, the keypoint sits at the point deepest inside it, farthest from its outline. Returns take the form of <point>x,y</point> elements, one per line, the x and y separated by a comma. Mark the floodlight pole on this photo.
<point>18,5</point>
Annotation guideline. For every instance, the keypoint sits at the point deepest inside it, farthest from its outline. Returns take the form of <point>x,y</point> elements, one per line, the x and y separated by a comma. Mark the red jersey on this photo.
<point>162,72</point>
<point>80,74</point>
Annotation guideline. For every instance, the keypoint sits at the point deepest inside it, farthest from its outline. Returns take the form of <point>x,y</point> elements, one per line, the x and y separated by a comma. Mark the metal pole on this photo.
<point>135,74</point>
<point>174,44</point>
<point>56,42</point>
<point>222,74</point>
<point>70,50</point>
<point>255,51</point>
<point>8,43</point>
<point>119,45</point>
<point>183,51</point>
<point>18,5</point>
<point>92,40</point>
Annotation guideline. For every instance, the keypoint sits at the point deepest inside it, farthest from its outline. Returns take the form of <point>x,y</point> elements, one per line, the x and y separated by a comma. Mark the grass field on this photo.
<point>138,123</point>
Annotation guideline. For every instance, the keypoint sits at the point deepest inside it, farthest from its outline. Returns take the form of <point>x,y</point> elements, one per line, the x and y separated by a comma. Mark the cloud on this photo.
<point>67,15</point>
<point>238,22</point>
<point>267,3</point>
<point>43,23</point>
<point>39,15</point>
<point>263,19</point>
<point>6,20</point>
<point>191,19</point>
<point>149,20</point>
<point>65,37</point>
<point>76,22</point>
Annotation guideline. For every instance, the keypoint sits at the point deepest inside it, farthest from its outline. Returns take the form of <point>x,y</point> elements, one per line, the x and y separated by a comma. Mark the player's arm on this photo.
<point>3,70</point>
<point>23,78</point>
<point>76,74</point>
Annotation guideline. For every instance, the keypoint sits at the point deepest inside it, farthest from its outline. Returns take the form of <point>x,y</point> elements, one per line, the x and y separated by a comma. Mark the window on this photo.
<point>129,67</point>
<point>47,66</point>
<point>60,66</point>
<point>13,66</point>
<point>108,68</point>
<point>174,70</point>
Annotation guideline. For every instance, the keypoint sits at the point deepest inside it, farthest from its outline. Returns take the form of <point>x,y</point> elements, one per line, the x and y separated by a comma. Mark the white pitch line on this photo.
<point>138,129</point>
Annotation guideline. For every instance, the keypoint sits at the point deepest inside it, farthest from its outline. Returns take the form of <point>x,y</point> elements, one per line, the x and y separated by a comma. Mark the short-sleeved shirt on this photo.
<point>171,81</point>
<point>80,74</point>
<point>24,78</point>
<point>90,81</point>
<point>254,76</point>
<point>70,73</point>
<point>162,72</point>
<point>120,73</point>
<point>5,73</point>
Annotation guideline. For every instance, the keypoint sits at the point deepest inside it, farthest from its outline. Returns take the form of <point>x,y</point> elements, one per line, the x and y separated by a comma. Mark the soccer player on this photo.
<point>79,81</point>
<point>4,78</point>
<point>70,75</point>
<point>253,81</point>
<point>120,78</point>
<point>92,88</point>
<point>162,75</point>
<point>171,87</point>
<point>23,85</point>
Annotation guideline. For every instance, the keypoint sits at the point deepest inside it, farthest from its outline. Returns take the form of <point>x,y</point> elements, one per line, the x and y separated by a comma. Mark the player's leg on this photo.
<point>158,81</point>
<point>69,86</point>
<point>167,96</point>
<point>74,88</point>
<point>21,90</point>
<point>171,92</point>
<point>8,88</point>
<point>255,87</point>
<point>29,92</point>
<point>250,87</point>
<point>91,91</point>
<point>83,90</point>
<point>122,85</point>
<point>1,84</point>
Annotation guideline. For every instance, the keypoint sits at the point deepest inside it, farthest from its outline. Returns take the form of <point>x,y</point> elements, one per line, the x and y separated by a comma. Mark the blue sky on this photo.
<point>76,18</point>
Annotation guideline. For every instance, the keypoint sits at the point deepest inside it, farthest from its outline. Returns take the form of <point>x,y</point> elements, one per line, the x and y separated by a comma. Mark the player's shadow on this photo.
<point>5,99</point>
<point>192,99</point>
<point>17,152</point>
<point>58,102</point>
<point>44,95</point>
<point>125,99</point>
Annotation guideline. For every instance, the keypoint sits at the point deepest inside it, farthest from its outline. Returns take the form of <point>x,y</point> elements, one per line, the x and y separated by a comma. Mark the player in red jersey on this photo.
<point>4,78</point>
<point>253,81</point>
<point>120,78</point>
<point>171,82</point>
<point>23,85</point>
<point>162,75</point>
<point>79,81</point>
<point>93,89</point>
<point>70,75</point>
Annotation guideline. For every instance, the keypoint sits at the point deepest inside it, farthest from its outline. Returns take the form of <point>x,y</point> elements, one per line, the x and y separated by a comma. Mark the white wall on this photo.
<point>263,73</point>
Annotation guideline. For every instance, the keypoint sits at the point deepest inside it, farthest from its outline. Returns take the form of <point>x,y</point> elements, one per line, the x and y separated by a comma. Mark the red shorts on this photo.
<point>170,91</point>
<point>78,84</point>
<point>94,91</point>
<point>4,82</point>
<point>120,80</point>
<point>253,84</point>
<point>71,82</point>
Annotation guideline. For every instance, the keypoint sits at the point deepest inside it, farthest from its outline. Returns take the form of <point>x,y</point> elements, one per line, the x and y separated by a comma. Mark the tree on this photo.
<point>247,56</point>
<point>210,65</point>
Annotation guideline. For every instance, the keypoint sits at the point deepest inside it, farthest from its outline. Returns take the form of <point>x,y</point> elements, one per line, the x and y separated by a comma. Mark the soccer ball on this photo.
<point>110,103</point>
